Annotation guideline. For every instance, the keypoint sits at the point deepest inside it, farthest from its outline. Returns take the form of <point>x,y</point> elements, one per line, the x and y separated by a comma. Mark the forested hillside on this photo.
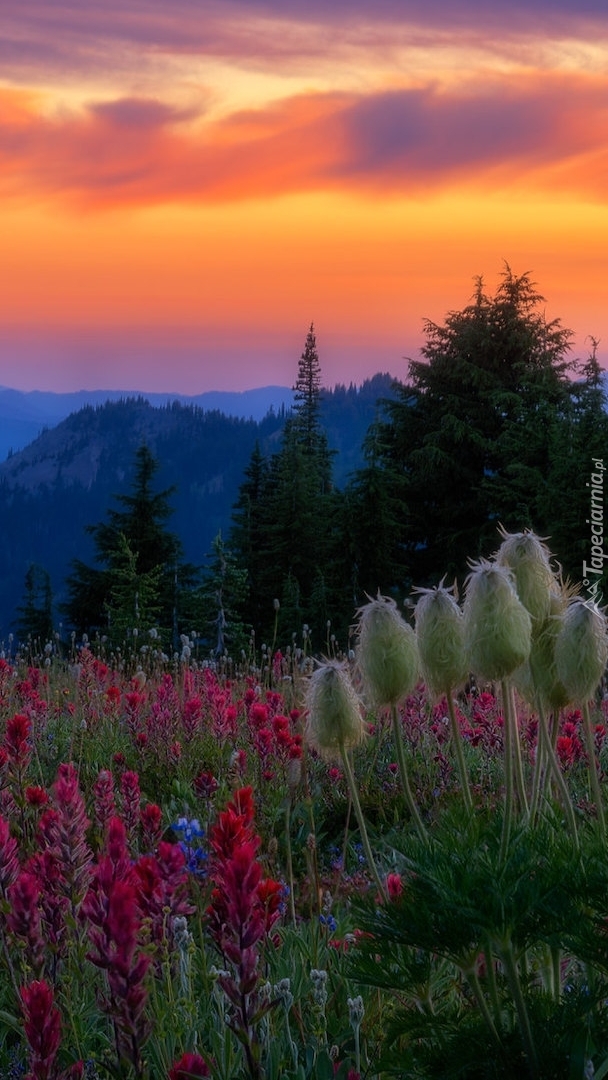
<point>66,479</point>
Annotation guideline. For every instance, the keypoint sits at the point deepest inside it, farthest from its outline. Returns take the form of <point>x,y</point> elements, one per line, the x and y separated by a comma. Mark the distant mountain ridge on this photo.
<point>67,477</point>
<point>24,414</point>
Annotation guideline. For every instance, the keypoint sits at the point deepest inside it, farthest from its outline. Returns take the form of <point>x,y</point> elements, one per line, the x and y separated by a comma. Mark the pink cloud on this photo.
<point>84,36</point>
<point>504,134</point>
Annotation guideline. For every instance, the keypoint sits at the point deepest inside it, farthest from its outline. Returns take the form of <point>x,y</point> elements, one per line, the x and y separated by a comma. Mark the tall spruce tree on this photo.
<point>284,516</point>
<point>466,444</point>
<point>133,538</point>
<point>36,612</point>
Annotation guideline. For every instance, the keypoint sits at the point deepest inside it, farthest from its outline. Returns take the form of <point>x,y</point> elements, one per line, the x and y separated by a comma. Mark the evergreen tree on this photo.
<point>372,528</point>
<point>133,606</point>
<point>285,516</point>
<point>247,537</point>
<point>574,446</point>
<point>36,613</point>
<point>467,441</point>
<point>136,530</point>
<point>220,600</point>
<point>307,395</point>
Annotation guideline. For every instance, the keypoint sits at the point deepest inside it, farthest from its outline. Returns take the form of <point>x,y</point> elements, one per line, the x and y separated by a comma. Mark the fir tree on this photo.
<point>140,523</point>
<point>285,515</point>
<point>467,442</point>
<point>220,599</point>
<point>36,612</point>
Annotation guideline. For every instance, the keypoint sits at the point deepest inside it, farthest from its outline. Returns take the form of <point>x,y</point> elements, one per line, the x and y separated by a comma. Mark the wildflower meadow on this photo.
<point>388,861</point>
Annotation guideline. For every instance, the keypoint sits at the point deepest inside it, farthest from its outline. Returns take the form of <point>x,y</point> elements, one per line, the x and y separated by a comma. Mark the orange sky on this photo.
<point>184,186</point>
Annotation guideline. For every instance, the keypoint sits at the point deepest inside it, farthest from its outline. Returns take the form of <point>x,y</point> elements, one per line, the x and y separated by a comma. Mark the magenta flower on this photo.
<point>24,920</point>
<point>42,1025</point>
<point>189,1065</point>
<point>103,794</point>
<point>131,800</point>
<point>9,861</point>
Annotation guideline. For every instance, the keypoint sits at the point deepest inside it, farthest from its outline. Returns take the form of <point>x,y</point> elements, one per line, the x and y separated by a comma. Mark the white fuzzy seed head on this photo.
<point>387,656</point>
<point>440,638</point>
<point>528,559</point>
<point>581,649</point>
<point>497,625</point>
<point>334,720</point>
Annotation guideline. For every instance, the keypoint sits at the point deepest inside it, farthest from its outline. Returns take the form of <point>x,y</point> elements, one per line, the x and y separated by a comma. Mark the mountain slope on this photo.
<point>66,479</point>
<point>25,414</point>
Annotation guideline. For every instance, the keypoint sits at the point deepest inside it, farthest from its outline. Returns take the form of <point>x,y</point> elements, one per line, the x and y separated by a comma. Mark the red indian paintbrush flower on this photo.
<point>189,1065</point>
<point>42,1026</point>
<point>24,919</point>
<point>9,861</point>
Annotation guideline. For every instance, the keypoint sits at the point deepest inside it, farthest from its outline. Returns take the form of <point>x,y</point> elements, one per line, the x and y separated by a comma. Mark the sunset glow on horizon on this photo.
<point>184,187</point>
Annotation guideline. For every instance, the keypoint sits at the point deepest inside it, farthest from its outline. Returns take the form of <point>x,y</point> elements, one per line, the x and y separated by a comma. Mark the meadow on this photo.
<point>371,865</point>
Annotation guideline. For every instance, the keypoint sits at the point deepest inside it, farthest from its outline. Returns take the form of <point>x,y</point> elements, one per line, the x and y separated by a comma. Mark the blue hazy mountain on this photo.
<point>25,414</point>
<point>68,475</point>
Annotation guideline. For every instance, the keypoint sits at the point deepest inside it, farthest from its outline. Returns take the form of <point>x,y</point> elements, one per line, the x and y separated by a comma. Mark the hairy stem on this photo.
<point>361,822</point>
<point>405,781</point>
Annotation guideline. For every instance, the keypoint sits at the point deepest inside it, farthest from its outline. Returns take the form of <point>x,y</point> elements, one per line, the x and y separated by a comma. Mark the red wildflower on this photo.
<point>36,796</point>
<point>42,1026</point>
<point>394,886</point>
<point>189,1065</point>
<point>9,861</point>
<point>16,741</point>
<point>151,825</point>
<point>258,714</point>
<point>131,799</point>
<point>103,794</point>
<point>270,895</point>
<point>205,785</point>
<point>24,918</point>
<point>68,835</point>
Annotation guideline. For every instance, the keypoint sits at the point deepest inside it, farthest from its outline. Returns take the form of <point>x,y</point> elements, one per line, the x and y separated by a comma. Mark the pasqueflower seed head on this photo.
<point>528,559</point>
<point>440,638</point>
<point>334,720</point>
<point>538,680</point>
<point>581,649</point>
<point>387,655</point>
<point>497,625</point>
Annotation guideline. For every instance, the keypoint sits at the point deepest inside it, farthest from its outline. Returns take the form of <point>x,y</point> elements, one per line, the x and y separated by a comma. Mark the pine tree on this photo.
<point>36,613</point>
<point>220,599</point>
<point>307,396</point>
<point>285,514</point>
<point>140,524</point>
<point>133,605</point>
<point>467,441</point>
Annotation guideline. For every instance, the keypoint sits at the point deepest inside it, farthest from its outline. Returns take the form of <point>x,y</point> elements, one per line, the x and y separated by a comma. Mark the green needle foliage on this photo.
<point>473,950</point>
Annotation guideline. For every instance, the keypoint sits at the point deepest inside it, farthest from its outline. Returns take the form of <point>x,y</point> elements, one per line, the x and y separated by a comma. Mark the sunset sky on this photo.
<point>185,185</point>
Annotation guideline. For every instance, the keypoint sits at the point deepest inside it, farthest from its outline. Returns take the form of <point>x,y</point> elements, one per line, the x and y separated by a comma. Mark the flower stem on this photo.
<point>557,773</point>
<point>361,822</point>
<point>459,752</point>
<point>405,781</point>
<point>594,780</point>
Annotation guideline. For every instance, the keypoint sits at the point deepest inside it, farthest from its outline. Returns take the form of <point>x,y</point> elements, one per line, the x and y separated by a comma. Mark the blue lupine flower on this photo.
<point>189,830</point>
<point>329,922</point>
<point>189,827</point>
